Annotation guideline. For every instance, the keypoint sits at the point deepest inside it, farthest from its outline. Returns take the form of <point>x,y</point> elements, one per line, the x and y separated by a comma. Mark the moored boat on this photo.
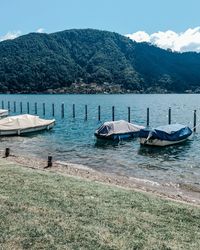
<point>117,130</point>
<point>23,124</point>
<point>3,113</point>
<point>164,135</point>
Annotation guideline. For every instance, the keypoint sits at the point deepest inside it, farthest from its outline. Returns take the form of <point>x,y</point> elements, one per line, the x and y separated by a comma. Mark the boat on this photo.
<point>164,135</point>
<point>117,130</point>
<point>23,124</point>
<point>3,113</point>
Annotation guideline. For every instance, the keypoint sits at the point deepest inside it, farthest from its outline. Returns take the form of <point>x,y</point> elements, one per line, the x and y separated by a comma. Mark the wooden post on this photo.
<point>49,162</point>
<point>8,106</point>
<point>7,152</point>
<point>147,117</point>
<point>35,108</point>
<point>14,107</point>
<point>62,110</point>
<point>129,114</point>
<point>99,113</point>
<point>113,113</point>
<point>28,108</point>
<point>21,107</point>
<point>2,104</point>
<point>195,120</point>
<point>43,105</point>
<point>74,112</point>
<point>53,109</point>
<point>86,112</point>
<point>169,116</point>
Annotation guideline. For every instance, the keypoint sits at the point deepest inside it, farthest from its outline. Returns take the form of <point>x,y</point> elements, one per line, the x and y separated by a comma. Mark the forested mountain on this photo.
<point>93,61</point>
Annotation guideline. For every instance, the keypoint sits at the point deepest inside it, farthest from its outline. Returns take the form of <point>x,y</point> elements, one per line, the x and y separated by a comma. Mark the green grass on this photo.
<point>43,210</point>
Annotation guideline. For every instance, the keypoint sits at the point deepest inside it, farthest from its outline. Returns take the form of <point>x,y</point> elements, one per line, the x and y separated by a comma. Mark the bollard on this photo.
<point>62,110</point>
<point>2,104</point>
<point>21,107</point>
<point>53,109</point>
<point>49,162</point>
<point>43,105</point>
<point>195,120</point>
<point>74,113</point>
<point>86,112</point>
<point>113,113</point>
<point>99,113</point>
<point>14,107</point>
<point>35,108</point>
<point>147,116</point>
<point>7,152</point>
<point>129,114</point>
<point>28,107</point>
<point>169,116</point>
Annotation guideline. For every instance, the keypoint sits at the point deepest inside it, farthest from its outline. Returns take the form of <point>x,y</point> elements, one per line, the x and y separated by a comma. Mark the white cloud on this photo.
<point>40,30</point>
<point>10,35</point>
<point>181,42</point>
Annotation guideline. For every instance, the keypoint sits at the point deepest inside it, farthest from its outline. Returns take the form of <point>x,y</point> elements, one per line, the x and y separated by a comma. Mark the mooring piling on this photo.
<point>147,117</point>
<point>28,107</point>
<point>53,109</point>
<point>2,104</point>
<point>35,108</point>
<point>43,107</point>
<point>195,120</point>
<point>73,111</point>
<point>86,113</point>
<point>21,110</point>
<point>169,116</point>
<point>129,114</point>
<point>14,107</point>
<point>62,110</point>
<point>113,113</point>
<point>99,113</point>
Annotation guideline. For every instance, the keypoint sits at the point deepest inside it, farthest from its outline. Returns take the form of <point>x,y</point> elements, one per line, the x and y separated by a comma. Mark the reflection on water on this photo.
<point>73,140</point>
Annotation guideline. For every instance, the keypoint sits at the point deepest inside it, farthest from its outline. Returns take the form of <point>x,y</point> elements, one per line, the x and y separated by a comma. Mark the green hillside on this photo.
<point>81,60</point>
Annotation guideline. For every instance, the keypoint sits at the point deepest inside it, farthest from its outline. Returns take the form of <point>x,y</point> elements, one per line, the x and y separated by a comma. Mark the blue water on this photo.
<point>73,140</point>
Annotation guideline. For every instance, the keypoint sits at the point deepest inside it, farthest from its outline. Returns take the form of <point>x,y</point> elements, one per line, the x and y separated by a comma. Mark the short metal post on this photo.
<point>99,113</point>
<point>7,152</point>
<point>129,114</point>
<point>147,116</point>
<point>195,120</point>
<point>49,162</point>
<point>169,116</point>
<point>113,113</point>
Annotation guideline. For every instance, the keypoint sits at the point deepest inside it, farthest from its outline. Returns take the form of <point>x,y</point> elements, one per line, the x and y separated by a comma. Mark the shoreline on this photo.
<point>171,191</point>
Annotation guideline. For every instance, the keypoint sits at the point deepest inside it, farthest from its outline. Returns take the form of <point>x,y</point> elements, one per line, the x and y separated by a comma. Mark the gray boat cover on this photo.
<point>22,122</point>
<point>118,127</point>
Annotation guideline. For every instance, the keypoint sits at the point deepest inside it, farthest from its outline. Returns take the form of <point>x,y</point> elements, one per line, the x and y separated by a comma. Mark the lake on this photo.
<point>73,140</point>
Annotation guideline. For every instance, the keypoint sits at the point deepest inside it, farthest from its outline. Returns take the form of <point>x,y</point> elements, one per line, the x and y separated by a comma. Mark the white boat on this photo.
<point>165,135</point>
<point>23,124</point>
<point>117,130</point>
<point>3,113</point>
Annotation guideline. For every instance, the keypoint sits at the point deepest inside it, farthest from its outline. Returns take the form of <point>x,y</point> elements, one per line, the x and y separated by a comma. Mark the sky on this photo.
<point>148,17</point>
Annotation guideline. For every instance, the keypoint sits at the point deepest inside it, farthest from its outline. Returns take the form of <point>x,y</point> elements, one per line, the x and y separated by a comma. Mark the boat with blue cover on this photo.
<point>164,135</point>
<point>118,130</point>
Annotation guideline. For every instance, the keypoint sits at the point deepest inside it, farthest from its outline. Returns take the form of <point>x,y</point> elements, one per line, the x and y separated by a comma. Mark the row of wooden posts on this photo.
<point>86,112</point>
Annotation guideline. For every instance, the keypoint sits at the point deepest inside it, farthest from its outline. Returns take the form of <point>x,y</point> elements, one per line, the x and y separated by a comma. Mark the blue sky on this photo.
<point>122,16</point>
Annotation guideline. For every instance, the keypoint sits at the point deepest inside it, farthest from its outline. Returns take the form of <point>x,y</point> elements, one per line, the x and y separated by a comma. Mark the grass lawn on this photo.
<point>44,210</point>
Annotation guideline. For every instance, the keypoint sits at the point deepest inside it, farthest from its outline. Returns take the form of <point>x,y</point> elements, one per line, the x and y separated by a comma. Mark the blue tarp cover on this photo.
<point>173,132</point>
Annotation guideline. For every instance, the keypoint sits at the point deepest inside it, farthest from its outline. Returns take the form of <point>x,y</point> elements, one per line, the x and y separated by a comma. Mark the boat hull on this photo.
<point>26,130</point>
<point>115,137</point>
<point>160,143</point>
